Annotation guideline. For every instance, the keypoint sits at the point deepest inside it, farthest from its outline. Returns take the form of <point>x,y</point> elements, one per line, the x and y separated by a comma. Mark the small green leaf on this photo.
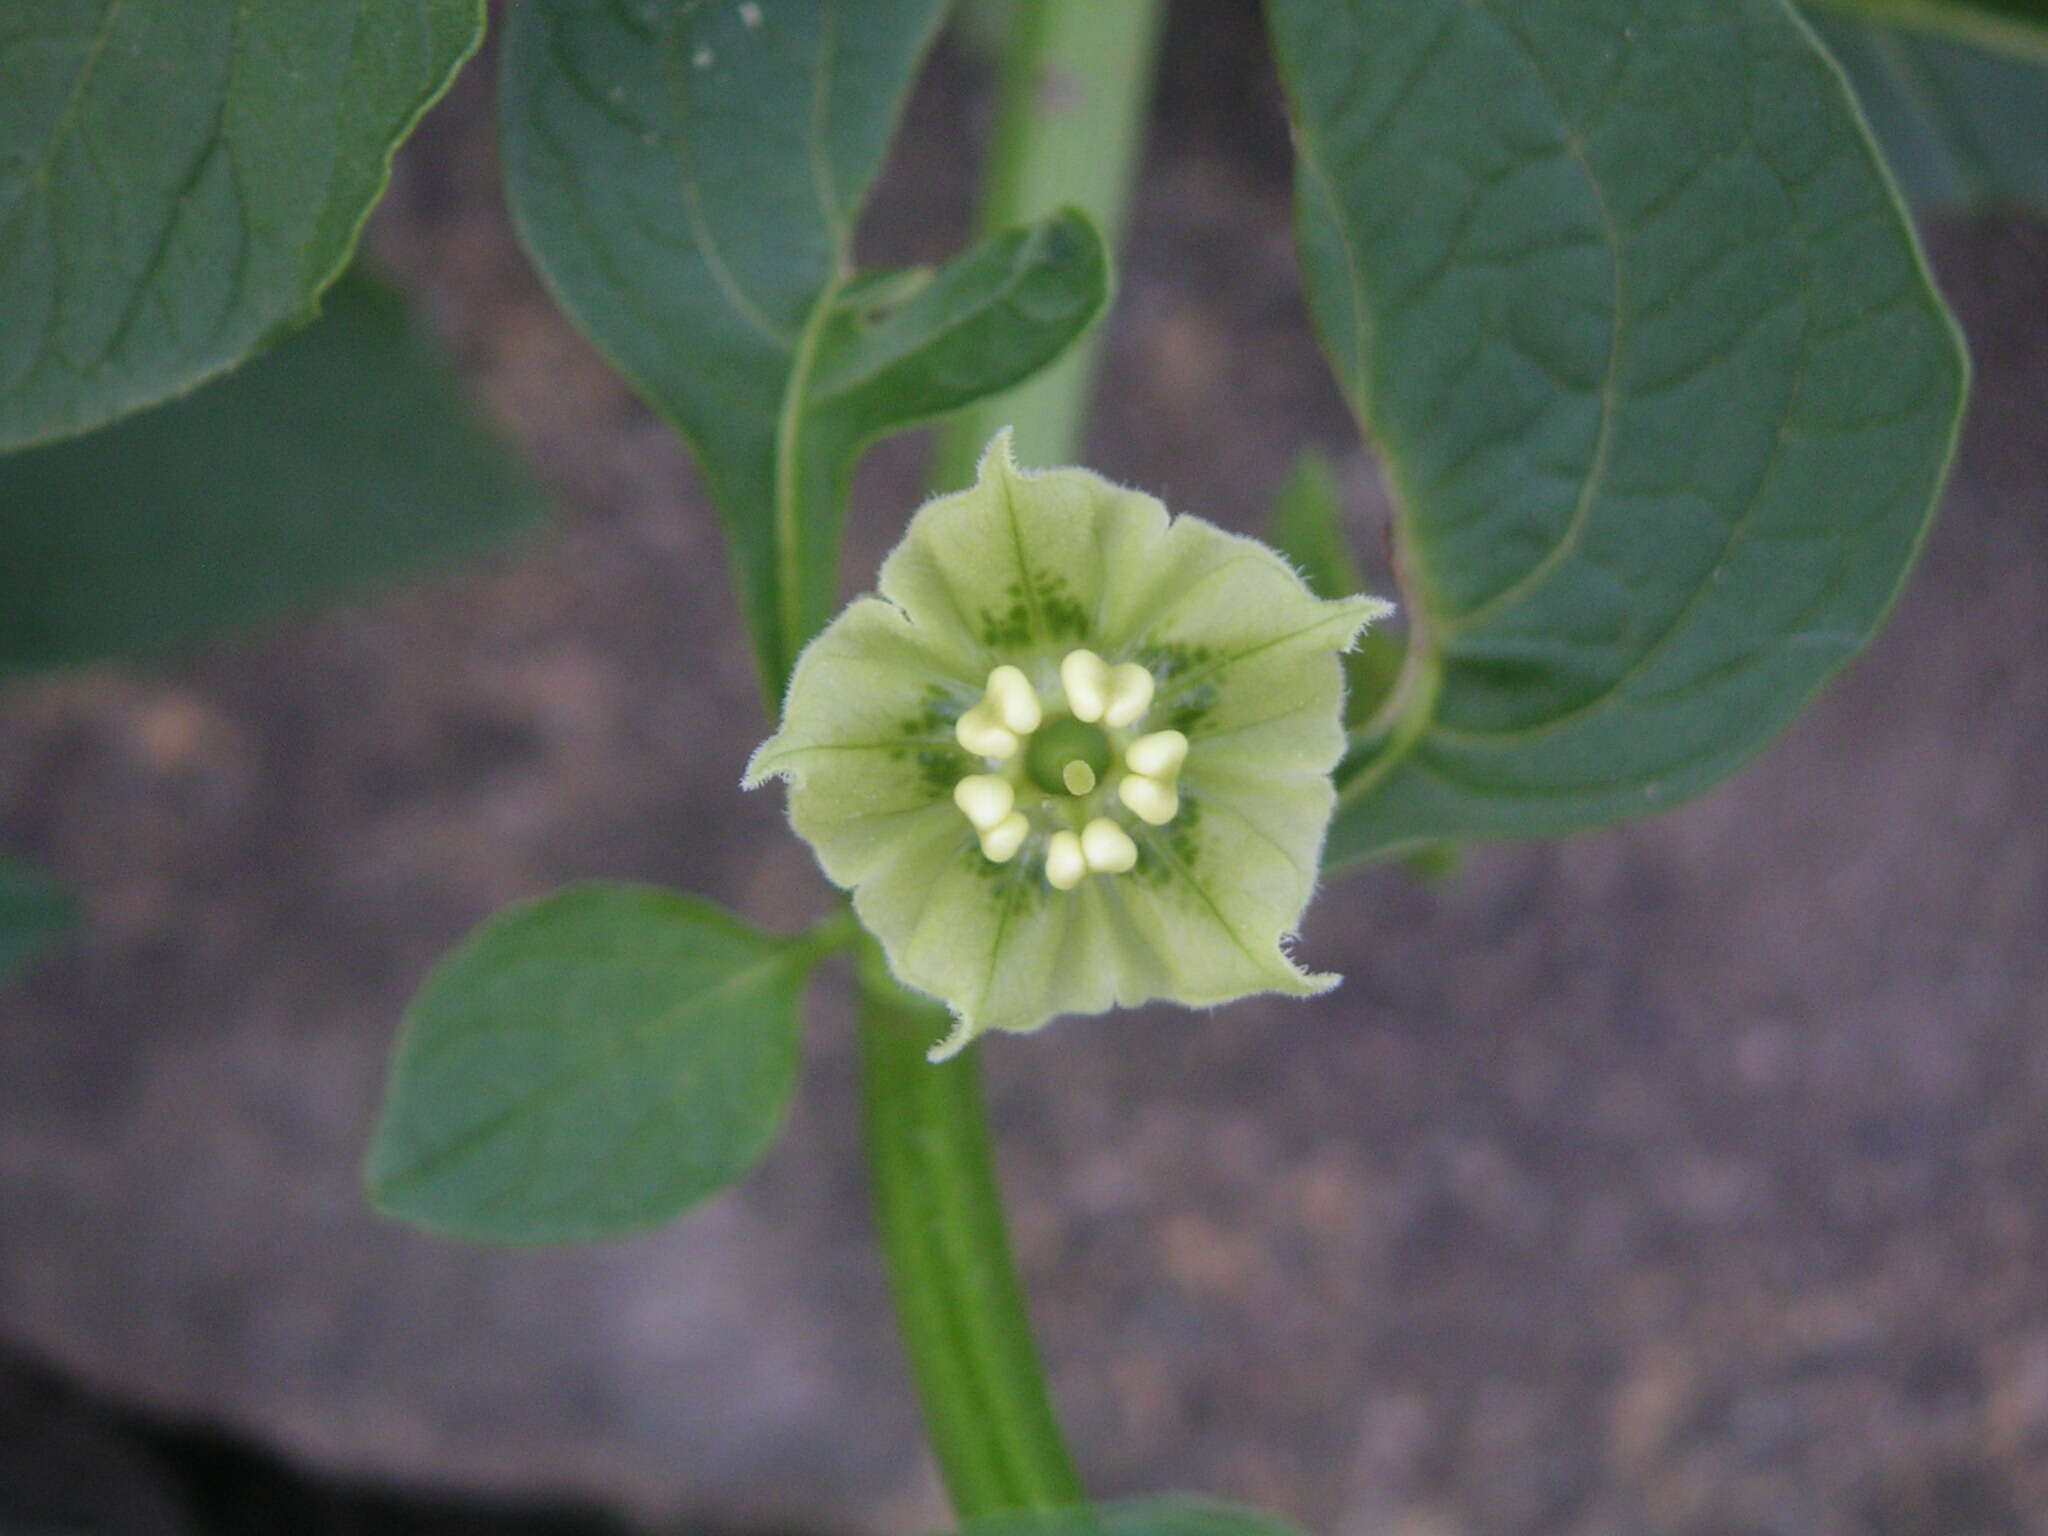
<point>180,180</point>
<point>35,912</point>
<point>1964,130</point>
<point>1663,392</point>
<point>587,1065</point>
<point>980,324</point>
<point>344,457</point>
<point>688,178</point>
<point>1308,528</point>
<point>1136,1517</point>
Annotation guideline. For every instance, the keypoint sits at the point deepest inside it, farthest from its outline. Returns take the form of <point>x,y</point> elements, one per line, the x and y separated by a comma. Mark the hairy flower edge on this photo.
<point>1075,755</point>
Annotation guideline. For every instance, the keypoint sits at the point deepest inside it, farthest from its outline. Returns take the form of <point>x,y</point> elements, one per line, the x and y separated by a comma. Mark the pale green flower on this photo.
<point>1075,756</point>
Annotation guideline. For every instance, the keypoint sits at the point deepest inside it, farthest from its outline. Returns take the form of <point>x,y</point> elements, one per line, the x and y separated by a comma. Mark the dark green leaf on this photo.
<point>586,1066</point>
<point>1136,1517</point>
<point>688,177</point>
<point>1663,392</point>
<point>35,912</point>
<point>1964,130</point>
<point>342,458</point>
<point>180,178</point>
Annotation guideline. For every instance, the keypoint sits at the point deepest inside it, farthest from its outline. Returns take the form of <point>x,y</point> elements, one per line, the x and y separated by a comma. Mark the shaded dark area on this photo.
<point>73,1463</point>
<point>1687,1178</point>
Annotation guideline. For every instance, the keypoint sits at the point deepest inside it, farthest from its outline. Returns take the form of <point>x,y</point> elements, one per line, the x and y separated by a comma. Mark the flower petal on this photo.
<point>1019,567</point>
<point>1204,919</point>
<point>983,937</point>
<point>1230,879</point>
<point>867,739</point>
<point>1005,950</point>
<point>1238,643</point>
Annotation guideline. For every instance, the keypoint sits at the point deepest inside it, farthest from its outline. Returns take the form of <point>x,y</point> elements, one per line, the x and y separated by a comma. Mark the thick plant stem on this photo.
<point>1076,85</point>
<point>958,1301</point>
<point>1074,98</point>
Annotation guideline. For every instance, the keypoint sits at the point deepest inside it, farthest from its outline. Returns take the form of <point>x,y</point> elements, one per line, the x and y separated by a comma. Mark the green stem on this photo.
<point>1070,118</point>
<point>1074,97</point>
<point>958,1301</point>
<point>802,608</point>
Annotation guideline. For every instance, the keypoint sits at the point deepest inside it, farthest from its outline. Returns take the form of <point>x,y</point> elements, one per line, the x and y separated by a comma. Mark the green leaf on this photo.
<point>35,911</point>
<point>587,1065</point>
<point>1136,1517</point>
<point>342,458</point>
<point>180,180</point>
<point>1308,528</point>
<point>1663,392</point>
<point>1964,130</point>
<point>2017,27</point>
<point>987,319</point>
<point>687,178</point>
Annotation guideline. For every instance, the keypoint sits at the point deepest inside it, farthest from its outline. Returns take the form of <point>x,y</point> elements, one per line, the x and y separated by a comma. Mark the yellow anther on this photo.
<point>1000,843</point>
<point>1078,777</point>
<point>1150,800</point>
<point>985,800</point>
<point>983,736</point>
<point>1065,863</point>
<point>1128,696</point>
<point>1107,847</point>
<point>1085,677</point>
<point>1157,756</point>
<point>1012,700</point>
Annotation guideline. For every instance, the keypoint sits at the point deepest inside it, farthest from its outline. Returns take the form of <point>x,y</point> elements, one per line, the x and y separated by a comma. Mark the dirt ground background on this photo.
<point>1687,1178</point>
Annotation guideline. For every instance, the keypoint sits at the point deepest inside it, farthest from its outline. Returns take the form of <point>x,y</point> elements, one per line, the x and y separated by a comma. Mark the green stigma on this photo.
<point>1067,756</point>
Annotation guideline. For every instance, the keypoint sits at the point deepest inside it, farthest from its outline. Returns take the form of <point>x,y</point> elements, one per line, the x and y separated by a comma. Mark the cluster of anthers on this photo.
<point>1068,764</point>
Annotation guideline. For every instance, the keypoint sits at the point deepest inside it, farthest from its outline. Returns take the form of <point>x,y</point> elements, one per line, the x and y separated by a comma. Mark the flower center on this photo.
<point>1072,768</point>
<point>1067,756</point>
